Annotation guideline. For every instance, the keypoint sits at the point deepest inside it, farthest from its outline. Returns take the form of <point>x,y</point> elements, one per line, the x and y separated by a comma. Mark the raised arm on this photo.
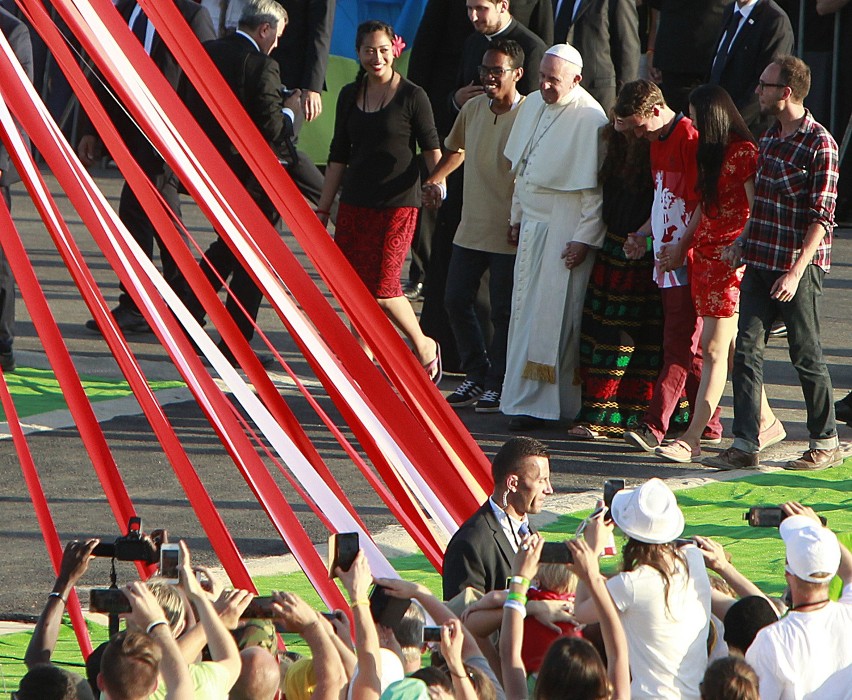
<point>75,562</point>
<point>615,641</point>
<point>367,684</point>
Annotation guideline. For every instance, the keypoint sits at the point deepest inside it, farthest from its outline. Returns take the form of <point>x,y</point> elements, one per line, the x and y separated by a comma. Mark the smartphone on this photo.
<point>330,616</point>
<point>111,601</point>
<point>556,553</point>
<point>342,549</point>
<point>260,608</point>
<point>385,609</point>
<point>169,563</point>
<point>683,541</point>
<point>431,633</point>
<point>769,516</point>
<point>611,487</point>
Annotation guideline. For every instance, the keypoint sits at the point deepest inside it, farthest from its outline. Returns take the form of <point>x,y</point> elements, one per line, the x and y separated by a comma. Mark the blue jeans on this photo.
<point>757,312</point>
<point>481,365</point>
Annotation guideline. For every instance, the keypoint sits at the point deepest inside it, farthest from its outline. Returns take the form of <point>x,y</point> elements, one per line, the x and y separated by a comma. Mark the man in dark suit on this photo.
<point>606,33</point>
<point>753,33</point>
<point>18,36</point>
<point>479,556</point>
<point>130,211</point>
<point>302,53</point>
<point>686,39</point>
<point>244,62</point>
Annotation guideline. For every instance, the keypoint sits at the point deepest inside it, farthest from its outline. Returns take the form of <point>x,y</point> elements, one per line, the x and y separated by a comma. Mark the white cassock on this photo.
<point>555,154</point>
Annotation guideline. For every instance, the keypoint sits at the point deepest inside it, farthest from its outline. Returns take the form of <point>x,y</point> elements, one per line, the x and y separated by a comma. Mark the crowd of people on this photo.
<point>616,216</point>
<point>520,618</point>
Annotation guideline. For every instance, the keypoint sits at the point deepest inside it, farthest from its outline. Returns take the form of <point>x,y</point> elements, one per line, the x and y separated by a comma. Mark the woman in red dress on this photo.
<point>727,162</point>
<point>380,119</point>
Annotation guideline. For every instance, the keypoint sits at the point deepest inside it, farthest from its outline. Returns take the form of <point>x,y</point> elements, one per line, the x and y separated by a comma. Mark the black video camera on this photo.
<point>134,546</point>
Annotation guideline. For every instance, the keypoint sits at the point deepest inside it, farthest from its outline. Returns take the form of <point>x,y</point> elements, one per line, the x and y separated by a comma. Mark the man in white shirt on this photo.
<point>808,653</point>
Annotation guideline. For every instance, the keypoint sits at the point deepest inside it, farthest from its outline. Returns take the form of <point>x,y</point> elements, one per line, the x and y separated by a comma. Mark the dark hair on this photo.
<point>718,122</point>
<point>508,459</point>
<point>433,676</point>
<point>627,159</point>
<point>796,75</point>
<point>130,665</point>
<point>745,619</point>
<point>661,557</point>
<point>572,668</point>
<point>368,27</point>
<point>638,97</point>
<point>730,678</point>
<point>511,49</point>
<point>49,682</point>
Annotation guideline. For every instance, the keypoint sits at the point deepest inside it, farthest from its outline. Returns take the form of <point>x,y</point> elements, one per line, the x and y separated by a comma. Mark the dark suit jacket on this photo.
<point>765,34</point>
<point>256,81</point>
<point>302,51</point>
<point>606,33</point>
<point>199,21</point>
<point>436,51</point>
<point>687,34</point>
<point>478,556</point>
<point>18,36</point>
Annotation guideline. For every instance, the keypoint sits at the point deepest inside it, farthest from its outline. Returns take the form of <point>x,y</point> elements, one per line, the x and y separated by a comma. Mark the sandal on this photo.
<point>582,432</point>
<point>435,369</point>
<point>679,451</point>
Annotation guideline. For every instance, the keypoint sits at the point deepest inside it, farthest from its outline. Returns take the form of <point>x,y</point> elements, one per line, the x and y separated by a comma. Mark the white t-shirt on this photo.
<point>667,644</point>
<point>806,654</point>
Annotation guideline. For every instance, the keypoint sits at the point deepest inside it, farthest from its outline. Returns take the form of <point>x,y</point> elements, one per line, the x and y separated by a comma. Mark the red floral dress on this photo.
<point>715,286</point>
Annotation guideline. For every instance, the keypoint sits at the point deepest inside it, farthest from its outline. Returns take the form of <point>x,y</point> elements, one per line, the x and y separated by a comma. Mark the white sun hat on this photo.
<point>649,513</point>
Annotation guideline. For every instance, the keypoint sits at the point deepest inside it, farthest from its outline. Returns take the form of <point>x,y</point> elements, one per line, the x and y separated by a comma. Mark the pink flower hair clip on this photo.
<point>397,45</point>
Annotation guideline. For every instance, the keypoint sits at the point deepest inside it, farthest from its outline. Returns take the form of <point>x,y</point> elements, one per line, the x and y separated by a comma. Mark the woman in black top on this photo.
<point>380,120</point>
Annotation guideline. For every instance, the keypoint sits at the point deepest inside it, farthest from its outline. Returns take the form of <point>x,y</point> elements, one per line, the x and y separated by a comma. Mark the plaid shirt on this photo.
<point>795,186</point>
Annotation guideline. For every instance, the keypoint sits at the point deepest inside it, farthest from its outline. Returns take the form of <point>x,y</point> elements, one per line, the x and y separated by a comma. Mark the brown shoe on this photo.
<point>732,458</point>
<point>815,460</point>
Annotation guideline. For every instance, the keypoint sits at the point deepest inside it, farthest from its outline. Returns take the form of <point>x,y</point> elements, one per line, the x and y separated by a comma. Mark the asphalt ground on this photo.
<point>80,509</point>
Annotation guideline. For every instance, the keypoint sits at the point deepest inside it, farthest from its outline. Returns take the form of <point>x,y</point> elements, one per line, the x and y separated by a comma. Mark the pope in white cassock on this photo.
<point>554,148</point>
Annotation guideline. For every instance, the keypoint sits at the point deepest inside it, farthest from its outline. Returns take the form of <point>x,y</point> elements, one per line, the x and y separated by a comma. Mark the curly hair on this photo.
<point>638,97</point>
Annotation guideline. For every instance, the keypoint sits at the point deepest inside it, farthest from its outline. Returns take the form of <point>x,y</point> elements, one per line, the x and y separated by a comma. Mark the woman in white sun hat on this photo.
<point>662,594</point>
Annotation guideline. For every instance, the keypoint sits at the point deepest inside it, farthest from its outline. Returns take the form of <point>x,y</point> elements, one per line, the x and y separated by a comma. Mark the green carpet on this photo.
<point>37,391</point>
<point>715,510</point>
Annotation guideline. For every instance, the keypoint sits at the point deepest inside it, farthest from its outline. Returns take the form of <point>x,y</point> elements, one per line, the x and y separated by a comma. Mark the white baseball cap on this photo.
<point>813,553</point>
<point>649,513</point>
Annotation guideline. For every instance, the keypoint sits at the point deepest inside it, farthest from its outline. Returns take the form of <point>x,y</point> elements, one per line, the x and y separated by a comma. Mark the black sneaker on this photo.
<point>489,403</point>
<point>128,321</point>
<point>467,394</point>
<point>643,438</point>
<point>778,330</point>
<point>7,361</point>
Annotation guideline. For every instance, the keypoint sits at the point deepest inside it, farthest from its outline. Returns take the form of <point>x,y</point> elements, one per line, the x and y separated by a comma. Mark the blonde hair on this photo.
<point>556,577</point>
<point>170,601</point>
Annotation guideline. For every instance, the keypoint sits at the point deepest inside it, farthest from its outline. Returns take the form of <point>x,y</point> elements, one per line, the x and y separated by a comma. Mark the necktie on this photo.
<point>722,54</point>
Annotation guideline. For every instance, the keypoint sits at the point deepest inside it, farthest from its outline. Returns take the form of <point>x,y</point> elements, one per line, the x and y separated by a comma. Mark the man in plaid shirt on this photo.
<point>786,247</point>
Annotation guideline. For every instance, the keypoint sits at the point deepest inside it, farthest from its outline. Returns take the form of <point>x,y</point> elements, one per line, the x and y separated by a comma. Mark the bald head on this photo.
<point>259,676</point>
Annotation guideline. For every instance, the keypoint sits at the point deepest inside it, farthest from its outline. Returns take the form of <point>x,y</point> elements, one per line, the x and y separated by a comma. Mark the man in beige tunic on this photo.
<point>556,220</point>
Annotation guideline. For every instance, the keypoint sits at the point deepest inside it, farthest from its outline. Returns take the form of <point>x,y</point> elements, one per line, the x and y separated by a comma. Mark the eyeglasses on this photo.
<point>494,72</point>
<point>762,86</point>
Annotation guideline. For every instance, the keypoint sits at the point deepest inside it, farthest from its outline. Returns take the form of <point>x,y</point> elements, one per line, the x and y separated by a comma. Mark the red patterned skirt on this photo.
<point>375,242</point>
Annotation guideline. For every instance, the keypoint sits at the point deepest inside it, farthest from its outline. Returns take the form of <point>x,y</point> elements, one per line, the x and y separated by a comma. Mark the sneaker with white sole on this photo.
<point>489,402</point>
<point>466,394</point>
<point>642,437</point>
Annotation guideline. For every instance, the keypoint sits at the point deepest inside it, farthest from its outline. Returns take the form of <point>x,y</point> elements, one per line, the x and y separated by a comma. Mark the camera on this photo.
<point>769,516</point>
<point>556,553</point>
<point>431,633</point>
<point>611,487</point>
<point>111,601</point>
<point>134,546</point>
